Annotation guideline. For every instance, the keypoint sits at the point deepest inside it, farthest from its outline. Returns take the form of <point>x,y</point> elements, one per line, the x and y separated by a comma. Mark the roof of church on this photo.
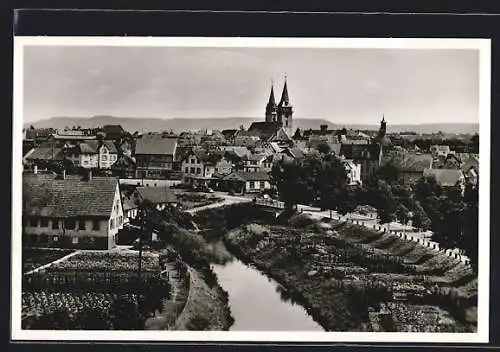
<point>285,100</point>
<point>264,130</point>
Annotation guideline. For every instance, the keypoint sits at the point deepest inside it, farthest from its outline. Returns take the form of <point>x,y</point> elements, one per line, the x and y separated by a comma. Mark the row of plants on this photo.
<point>87,311</point>
<point>108,261</point>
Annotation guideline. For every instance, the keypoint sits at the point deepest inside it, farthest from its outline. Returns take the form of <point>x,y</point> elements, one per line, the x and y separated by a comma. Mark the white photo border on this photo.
<point>482,334</point>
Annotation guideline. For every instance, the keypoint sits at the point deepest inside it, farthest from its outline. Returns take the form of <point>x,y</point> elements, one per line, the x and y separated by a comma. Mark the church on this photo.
<point>278,124</point>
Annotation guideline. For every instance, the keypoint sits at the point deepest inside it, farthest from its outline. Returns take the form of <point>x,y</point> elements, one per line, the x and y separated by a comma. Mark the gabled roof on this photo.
<point>73,197</point>
<point>360,151</point>
<point>280,135</point>
<point>156,145</point>
<point>256,157</point>
<point>248,176</point>
<point>228,134</point>
<point>263,130</point>
<point>239,151</point>
<point>124,162</point>
<point>411,162</point>
<point>444,177</point>
<point>157,195</point>
<point>46,153</point>
<point>113,129</point>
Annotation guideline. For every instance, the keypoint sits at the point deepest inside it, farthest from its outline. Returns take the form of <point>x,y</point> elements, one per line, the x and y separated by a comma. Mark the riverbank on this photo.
<point>347,277</point>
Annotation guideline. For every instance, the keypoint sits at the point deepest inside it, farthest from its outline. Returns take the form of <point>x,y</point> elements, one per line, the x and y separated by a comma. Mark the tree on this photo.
<point>383,200</point>
<point>388,173</point>
<point>420,220</point>
<point>324,148</point>
<point>470,239</point>
<point>402,213</point>
<point>125,315</point>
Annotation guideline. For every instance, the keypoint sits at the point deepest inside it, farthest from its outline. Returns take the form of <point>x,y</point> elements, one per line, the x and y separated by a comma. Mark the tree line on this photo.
<point>320,179</point>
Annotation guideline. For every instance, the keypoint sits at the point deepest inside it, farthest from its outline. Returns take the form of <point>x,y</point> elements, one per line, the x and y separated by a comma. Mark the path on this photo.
<point>228,200</point>
<point>51,263</point>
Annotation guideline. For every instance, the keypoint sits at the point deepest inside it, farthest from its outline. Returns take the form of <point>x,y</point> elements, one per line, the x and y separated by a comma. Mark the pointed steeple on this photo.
<point>383,118</point>
<point>284,96</point>
<point>272,101</point>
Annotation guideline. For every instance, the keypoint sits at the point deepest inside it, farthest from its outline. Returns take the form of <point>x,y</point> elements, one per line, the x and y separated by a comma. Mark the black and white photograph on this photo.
<point>251,189</point>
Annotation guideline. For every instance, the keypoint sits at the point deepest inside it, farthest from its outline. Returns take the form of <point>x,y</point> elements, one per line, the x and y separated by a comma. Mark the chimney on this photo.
<point>323,128</point>
<point>35,169</point>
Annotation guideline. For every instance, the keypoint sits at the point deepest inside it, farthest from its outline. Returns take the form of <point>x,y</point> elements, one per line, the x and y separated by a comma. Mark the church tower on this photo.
<point>383,128</point>
<point>271,108</point>
<point>285,111</point>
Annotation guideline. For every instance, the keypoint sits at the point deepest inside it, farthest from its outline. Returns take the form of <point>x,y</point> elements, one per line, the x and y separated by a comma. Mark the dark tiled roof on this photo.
<point>248,176</point>
<point>156,145</point>
<point>73,197</point>
<point>444,177</point>
<point>124,162</point>
<point>239,151</point>
<point>157,195</point>
<point>256,157</point>
<point>411,162</point>
<point>46,153</point>
<point>113,129</point>
<point>263,130</point>
<point>228,134</point>
<point>360,151</point>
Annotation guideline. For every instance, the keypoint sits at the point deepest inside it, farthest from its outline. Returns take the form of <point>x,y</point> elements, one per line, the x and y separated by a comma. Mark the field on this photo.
<point>91,288</point>
<point>348,276</point>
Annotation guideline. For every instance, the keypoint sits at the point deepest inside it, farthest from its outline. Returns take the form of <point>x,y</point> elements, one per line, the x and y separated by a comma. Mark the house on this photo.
<point>43,156</point>
<point>113,132</point>
<point>411,165</point>
<point>246,139</point>
<point>369,156</point>
<point>440,150</point>
<point>130,209</point>
<point>154,156</point>
<point>71,212</point>
<point>93,154</point>
<point>470,168</point>
<point>229,134</point>
<point>71,137</point>
<point>247,182</point>
<point>160,197</point>
<point>353,170</point>
<point>241,152</point>
<point>446,177</point>
<point>254,162</point>
<point>199,166</point>
<point>124,167</point>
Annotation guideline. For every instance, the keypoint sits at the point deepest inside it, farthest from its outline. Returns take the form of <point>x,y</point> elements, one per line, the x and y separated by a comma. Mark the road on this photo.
<point>228,200</point>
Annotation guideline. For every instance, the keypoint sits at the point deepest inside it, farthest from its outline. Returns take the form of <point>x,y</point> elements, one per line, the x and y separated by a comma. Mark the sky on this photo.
<point>356,86</point>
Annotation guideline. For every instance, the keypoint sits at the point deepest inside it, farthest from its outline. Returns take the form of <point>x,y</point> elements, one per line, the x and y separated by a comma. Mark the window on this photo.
<point>85,162</point>
<point>104,158</point>
<point>81,224</point>
<point>192,170</point>
<point>186,170</point>
<point>262,184</point>
<point>44,222</point>
<point>96,225</point>
<point>33,222</point>
<point>55,224</point>
<point>112,224</point>
<point>198,170</point>
<point>252,184</point>
<point>55,239</point>
<point>92,240</point>
<point>74,240</point>
<point>76,162</point>
<point>193,161</point>
<point>70,224</point>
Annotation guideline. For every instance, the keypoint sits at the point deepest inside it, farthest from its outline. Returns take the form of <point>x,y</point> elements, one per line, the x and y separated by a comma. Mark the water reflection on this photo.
<point>259,303</point>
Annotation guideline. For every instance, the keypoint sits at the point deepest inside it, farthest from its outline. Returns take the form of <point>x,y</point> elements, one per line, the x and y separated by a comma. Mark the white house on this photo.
<point>353,172</point>
<point>93,154</point>
<point>255,162</point>
<point>247,182</point>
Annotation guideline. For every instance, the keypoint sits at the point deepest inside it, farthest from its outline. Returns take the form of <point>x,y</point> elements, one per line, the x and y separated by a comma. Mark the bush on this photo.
<point>300,221</point>
<point>198,323</point>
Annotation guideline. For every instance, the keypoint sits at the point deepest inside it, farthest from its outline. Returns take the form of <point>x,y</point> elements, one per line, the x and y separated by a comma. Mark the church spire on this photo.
<point>284,96</point>
<point>272,101</point>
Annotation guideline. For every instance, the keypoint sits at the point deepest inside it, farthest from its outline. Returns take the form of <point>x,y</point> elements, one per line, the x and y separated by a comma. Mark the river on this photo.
<point>258,303</point>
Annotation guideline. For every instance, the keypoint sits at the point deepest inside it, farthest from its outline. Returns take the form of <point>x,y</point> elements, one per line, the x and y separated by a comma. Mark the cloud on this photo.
<point>372,87</point>
<point>94,71</point>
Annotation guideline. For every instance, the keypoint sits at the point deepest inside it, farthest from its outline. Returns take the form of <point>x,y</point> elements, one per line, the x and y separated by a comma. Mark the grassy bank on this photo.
<point>345,275</point>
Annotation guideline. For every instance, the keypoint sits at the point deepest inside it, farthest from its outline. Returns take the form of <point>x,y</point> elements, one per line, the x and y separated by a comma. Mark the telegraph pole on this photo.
<point>140,243</point>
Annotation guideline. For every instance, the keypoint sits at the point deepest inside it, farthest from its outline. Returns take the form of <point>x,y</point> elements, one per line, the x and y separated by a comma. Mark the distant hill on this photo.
<point>145,124</point>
